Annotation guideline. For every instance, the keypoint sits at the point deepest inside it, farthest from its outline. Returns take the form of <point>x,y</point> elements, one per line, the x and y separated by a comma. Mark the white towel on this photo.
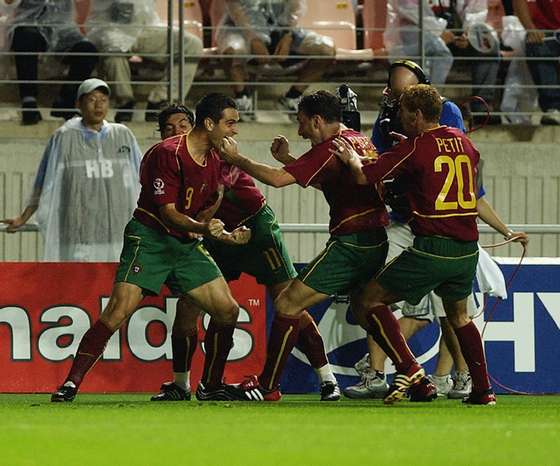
<point>489,276</point>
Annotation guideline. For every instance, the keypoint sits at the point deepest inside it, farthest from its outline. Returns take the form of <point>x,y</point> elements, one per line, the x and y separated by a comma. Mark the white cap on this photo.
<point>90,85</point>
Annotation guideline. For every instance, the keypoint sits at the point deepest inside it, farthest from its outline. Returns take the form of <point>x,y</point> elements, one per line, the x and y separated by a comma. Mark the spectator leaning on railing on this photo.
<point>86,187</point>
<point>541,19</point>
<point>41,26</point>
<point>134,26</point>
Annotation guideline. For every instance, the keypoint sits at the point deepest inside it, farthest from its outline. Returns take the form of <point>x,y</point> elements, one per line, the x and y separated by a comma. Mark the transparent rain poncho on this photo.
<point>86,188</point>
<point>54,19</point>
<point>114,26</point>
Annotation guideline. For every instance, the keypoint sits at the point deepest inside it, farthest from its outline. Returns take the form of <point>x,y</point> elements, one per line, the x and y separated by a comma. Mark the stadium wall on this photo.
<point>521,176</point>
<point>46,308</point>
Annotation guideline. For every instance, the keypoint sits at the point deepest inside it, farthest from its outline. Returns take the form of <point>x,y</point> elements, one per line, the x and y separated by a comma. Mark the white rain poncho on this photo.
<point>54,19</point>
<point>114,26</point>
<point>88,186</point>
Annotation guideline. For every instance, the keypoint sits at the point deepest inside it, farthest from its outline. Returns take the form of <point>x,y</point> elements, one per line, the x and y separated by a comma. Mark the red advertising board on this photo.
<point>45,308</point>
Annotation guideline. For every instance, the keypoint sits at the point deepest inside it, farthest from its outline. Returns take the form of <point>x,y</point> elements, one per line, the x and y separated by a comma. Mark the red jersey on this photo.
<point>545,13</point>
<point>440,167</point>
<point>242,199</point>
<point>169,175</point>
<point>353,208</point>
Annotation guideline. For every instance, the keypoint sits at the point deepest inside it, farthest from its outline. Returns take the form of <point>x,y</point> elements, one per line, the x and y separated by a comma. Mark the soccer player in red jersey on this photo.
<point>440,165</point>
<point>357,246</point>
<point>179,177</point>
<point>264,257</point>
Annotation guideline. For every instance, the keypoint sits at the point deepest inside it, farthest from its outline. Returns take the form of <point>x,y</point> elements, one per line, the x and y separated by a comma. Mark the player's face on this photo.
<point>94,107</point>
<point>226,126</point>
<point>176,124</point>
<point>307,128</point>
<point>409,121</point>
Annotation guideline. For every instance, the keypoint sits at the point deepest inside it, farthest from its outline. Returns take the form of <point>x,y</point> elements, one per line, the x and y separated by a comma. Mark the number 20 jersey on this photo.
<point>440,168</point>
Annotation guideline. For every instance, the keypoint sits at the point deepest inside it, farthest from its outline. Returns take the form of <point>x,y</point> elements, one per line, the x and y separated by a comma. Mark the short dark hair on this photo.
<point>172,110</point>
<point>212,106</point>
<point>322,103</point>
<point>425,98</point>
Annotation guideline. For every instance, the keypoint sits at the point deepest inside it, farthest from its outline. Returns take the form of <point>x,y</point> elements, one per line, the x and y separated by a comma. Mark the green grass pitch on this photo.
<point>128,429</point>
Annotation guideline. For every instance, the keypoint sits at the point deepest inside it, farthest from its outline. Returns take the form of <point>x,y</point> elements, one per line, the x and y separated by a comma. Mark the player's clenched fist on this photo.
<point>280,149</point>
<point>215,228</point>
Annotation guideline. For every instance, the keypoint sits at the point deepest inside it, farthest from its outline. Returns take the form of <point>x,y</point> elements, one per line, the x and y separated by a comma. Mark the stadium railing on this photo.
<point>336,18</point>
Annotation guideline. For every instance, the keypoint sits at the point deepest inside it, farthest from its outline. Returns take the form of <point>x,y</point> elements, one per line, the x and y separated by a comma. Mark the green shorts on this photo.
<point>444,265</point>
<point>265,256</point>
<point>150,258</point>
<point>347,262</point>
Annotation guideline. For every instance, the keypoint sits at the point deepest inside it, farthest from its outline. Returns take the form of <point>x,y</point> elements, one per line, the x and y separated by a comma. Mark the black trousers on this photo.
<point>30,39</point>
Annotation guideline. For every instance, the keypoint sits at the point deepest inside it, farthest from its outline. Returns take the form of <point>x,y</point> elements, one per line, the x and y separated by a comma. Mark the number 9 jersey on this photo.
<point>440,167</point>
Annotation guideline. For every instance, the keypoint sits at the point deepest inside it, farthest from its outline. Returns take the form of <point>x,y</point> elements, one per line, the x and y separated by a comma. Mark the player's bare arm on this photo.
<point>186,224</point>
<point>280,150</point>
<point>346,153</point>
<point>489,216</point>
<point>271,176</point>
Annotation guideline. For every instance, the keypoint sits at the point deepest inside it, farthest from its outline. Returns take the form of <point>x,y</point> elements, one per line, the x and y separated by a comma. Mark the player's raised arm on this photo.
<point>280,150</point>
<point>271,176</point>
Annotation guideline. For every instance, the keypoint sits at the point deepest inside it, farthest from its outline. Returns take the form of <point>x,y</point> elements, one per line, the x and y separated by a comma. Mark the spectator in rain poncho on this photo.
<point>46,26</point>
<point>87,183</point>
<point>134,26</point>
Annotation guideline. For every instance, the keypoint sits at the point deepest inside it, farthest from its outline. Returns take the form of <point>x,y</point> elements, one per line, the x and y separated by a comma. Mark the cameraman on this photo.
<point>404,73</point>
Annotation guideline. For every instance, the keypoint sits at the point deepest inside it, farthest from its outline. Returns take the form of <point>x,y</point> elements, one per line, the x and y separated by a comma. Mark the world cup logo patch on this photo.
<point>158,186</point>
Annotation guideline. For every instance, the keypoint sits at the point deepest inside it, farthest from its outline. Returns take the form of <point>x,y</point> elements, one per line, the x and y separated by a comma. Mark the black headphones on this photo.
<point>409,65</point>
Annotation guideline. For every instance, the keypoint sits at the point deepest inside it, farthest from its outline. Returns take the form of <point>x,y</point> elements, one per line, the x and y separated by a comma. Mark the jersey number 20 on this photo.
<point>454,167</point>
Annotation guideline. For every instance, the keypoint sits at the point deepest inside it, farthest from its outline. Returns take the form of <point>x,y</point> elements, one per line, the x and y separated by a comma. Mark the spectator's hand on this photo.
<point>283,48</point>
<point>259,48</point>
<point>229,150</point>
<point>13,223</point>
<point>192,235</point>
<point>280,149</point>
<point>461,41</point>
<point>215,228</point>
<point>535,37</point>
<point>447,36</point>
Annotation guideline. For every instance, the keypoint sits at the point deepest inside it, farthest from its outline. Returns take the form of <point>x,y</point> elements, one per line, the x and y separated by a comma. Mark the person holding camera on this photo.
<point>387,132</point>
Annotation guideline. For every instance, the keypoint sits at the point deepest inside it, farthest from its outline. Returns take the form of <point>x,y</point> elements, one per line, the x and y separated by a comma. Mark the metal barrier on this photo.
<point>345,55</point>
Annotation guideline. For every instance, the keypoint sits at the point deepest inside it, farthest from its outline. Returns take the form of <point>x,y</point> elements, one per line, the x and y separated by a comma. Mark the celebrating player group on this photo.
<point>201,221</point>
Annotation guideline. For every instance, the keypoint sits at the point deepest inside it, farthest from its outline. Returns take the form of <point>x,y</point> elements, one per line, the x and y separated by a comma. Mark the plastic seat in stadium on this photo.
<point>374,16</point>
<point>333,18</point>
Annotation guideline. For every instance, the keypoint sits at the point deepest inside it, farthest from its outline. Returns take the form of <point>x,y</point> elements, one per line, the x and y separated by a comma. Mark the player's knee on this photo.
<point>285,305</point>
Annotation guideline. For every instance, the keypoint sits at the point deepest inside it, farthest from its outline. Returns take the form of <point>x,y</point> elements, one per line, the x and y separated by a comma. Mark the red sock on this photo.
<point>90,350</point>
<point>473,352</point>
<point>217,343</point>
<point>282,339</point>
<point>183,351</point>
<point>385,330</point>
<point>310,342</point>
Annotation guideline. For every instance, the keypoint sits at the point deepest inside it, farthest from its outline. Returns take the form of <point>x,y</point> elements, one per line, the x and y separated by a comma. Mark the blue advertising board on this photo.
<point>521,335</point>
